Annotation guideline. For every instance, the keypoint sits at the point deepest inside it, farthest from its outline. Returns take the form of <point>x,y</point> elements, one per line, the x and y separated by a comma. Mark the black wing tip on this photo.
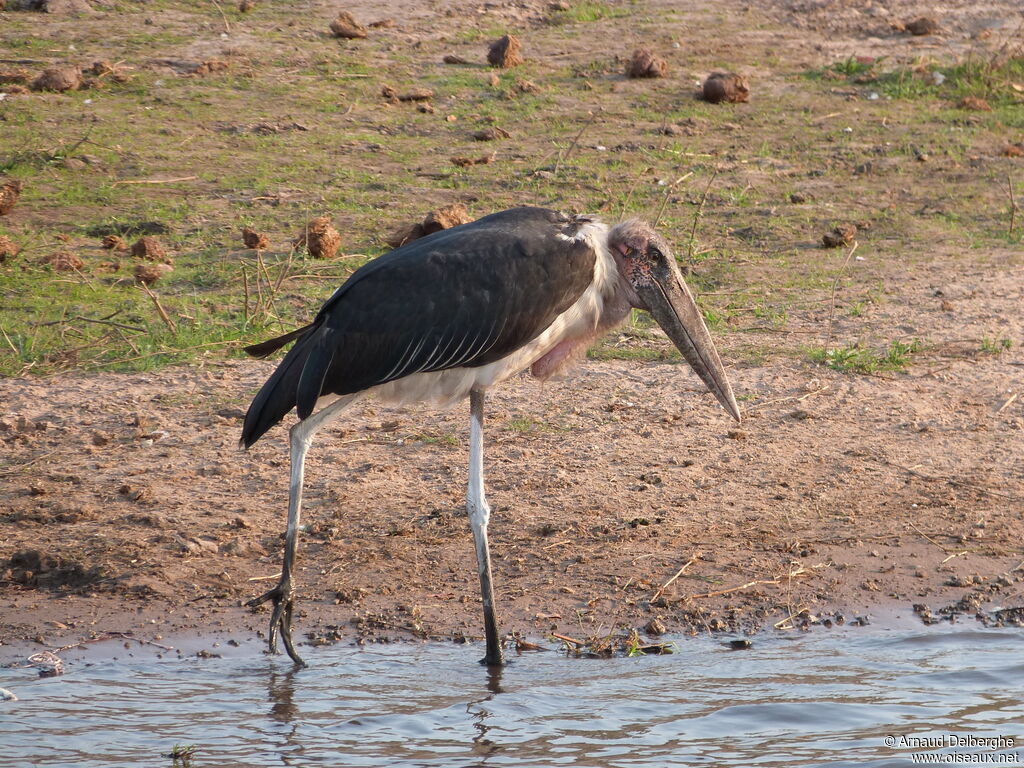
<point>268,347</point>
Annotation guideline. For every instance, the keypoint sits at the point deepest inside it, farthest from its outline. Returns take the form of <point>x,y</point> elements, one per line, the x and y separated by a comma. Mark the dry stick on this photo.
<point>154,181</point>
<point>245,287</point>
<point>567,639</point>
<point>832,301</point>
<point>778,624</point>
<point>929,538</point>
<point>270,286</point>
<point>9,342</point>
<point>1013,204</point>
<point>668,191</point>
<point>562,157</point>
<point>227,27</point>
<point>955,554</point>
<point>697,213</point>
<point>1002,408</point>
<point>679,573</point>
<point>159,308</point>
<point>798,398</point>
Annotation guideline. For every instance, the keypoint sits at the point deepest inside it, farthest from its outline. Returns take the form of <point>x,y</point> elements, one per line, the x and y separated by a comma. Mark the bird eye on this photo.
<point>655,254</point>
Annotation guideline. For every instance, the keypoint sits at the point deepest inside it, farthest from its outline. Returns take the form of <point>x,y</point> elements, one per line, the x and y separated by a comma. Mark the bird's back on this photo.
<point>462,297</point>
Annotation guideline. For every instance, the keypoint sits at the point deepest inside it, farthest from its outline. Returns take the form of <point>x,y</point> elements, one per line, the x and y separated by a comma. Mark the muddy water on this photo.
<point>827,698</point>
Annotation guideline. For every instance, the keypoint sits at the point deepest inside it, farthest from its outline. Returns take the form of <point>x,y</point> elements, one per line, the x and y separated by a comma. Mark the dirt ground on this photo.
<point>623,496</point>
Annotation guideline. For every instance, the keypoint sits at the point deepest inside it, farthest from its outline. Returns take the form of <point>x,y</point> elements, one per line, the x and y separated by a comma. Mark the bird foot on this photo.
<point>283,598</point>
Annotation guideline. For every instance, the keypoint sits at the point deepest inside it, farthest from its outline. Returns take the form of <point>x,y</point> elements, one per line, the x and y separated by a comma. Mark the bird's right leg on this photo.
<point>283,595</point>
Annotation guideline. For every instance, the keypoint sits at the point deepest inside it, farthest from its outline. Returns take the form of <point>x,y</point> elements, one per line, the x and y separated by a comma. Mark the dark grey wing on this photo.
<point>461,297</point>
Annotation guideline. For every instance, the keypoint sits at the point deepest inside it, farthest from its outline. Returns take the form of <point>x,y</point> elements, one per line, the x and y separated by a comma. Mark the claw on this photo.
<point>281,618</point>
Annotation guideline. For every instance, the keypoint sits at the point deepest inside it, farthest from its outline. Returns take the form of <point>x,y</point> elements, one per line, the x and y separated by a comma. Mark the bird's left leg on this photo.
<point>283,595</point>
<point>479,516</point>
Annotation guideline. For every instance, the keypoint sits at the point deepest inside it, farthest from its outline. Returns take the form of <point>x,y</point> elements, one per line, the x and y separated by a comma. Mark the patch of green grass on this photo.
<point>998,345</point>
<point>584,11</point>
<point>857,359</point>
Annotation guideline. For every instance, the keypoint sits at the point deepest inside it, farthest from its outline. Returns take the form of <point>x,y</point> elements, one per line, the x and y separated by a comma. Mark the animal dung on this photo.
<point>466,162</point>
<point>645,64</point>
<point>63,261</point>
<point>10,191</point>
<point>319,238</point>
<point>445,217</point>
<point>492,133</point>
<point>451,58</point>
<point>8,249</point>
<point>149,248</point>
<point>1014,150</point>
<point>114,243</point>
<point>58,79</point>
<point>147,274</point>
<point>346,26</point>
<point>245,6</point>
<point>254,239</point>
<point>416,94</point>
<point>726,86</point>
<point>923,25</point>
<point>841,236</point>
<point>505,52</point>
<point>975,104</point>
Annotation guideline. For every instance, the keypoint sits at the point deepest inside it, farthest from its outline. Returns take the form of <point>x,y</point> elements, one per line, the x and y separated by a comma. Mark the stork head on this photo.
<point>653,282</point>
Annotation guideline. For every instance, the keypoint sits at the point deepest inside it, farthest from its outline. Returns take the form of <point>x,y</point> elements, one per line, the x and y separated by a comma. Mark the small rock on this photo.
<point>346,26</point>
<point>382,24</point>
<point>6,695</point>
<point>451,58</point>
<point>505,52</point>
<point>246,5</point>
<point>726,86</point>
<point>740,645</point>
<point>1010,150</point>
<point>841,236</point>
<point>254,239</point>
<point>655,627</point>
<point>645,64</point>
<point>797,198</point>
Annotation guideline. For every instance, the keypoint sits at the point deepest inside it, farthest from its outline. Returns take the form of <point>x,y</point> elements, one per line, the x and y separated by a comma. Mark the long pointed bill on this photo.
<point>672,305</point>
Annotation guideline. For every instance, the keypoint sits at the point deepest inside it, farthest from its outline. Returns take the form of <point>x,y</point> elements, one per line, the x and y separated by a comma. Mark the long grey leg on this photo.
<point>479,515</point>
<point>283,595</point>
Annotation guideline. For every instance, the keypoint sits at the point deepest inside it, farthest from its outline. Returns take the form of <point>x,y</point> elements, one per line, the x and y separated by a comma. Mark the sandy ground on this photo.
<point>623,496</point>
<point>838,495</point>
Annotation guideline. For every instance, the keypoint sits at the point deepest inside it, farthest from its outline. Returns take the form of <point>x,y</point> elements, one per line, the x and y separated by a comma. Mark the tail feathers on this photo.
<point>318,362</point>
<point>277,396</point>
<point>270,346</point>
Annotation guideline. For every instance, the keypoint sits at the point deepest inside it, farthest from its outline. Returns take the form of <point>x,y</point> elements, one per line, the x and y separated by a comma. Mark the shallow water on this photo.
<point>825,698</point>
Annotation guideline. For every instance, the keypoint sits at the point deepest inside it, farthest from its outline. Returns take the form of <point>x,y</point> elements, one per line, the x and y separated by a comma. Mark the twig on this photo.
<point>1013,204</point>
<point>697,213</point>
<point>679,573</point>
<point>927,537</point>
<point>227,27</point>
<point>832,300</point>
<point>245,287</point>
<point>265,578</point>
<point>778,624</point>
<point>154,181</point>
<point>955,554</point>
<point>798,398</point>
<point>1008,403</point>
<point>159,308</point>
<point>567,639</point>
<point>565,156</point>
<point>668,191</point>
<point>18,467</point>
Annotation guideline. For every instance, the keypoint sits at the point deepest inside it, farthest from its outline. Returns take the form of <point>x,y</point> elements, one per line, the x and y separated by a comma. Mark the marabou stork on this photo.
<point>455,313</point>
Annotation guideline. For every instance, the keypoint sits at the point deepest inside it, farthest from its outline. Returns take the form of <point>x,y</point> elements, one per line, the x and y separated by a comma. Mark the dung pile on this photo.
<point>319,238</point>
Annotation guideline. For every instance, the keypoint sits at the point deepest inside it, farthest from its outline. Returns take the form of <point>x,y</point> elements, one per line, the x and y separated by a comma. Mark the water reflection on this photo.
<point>828,698</point>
